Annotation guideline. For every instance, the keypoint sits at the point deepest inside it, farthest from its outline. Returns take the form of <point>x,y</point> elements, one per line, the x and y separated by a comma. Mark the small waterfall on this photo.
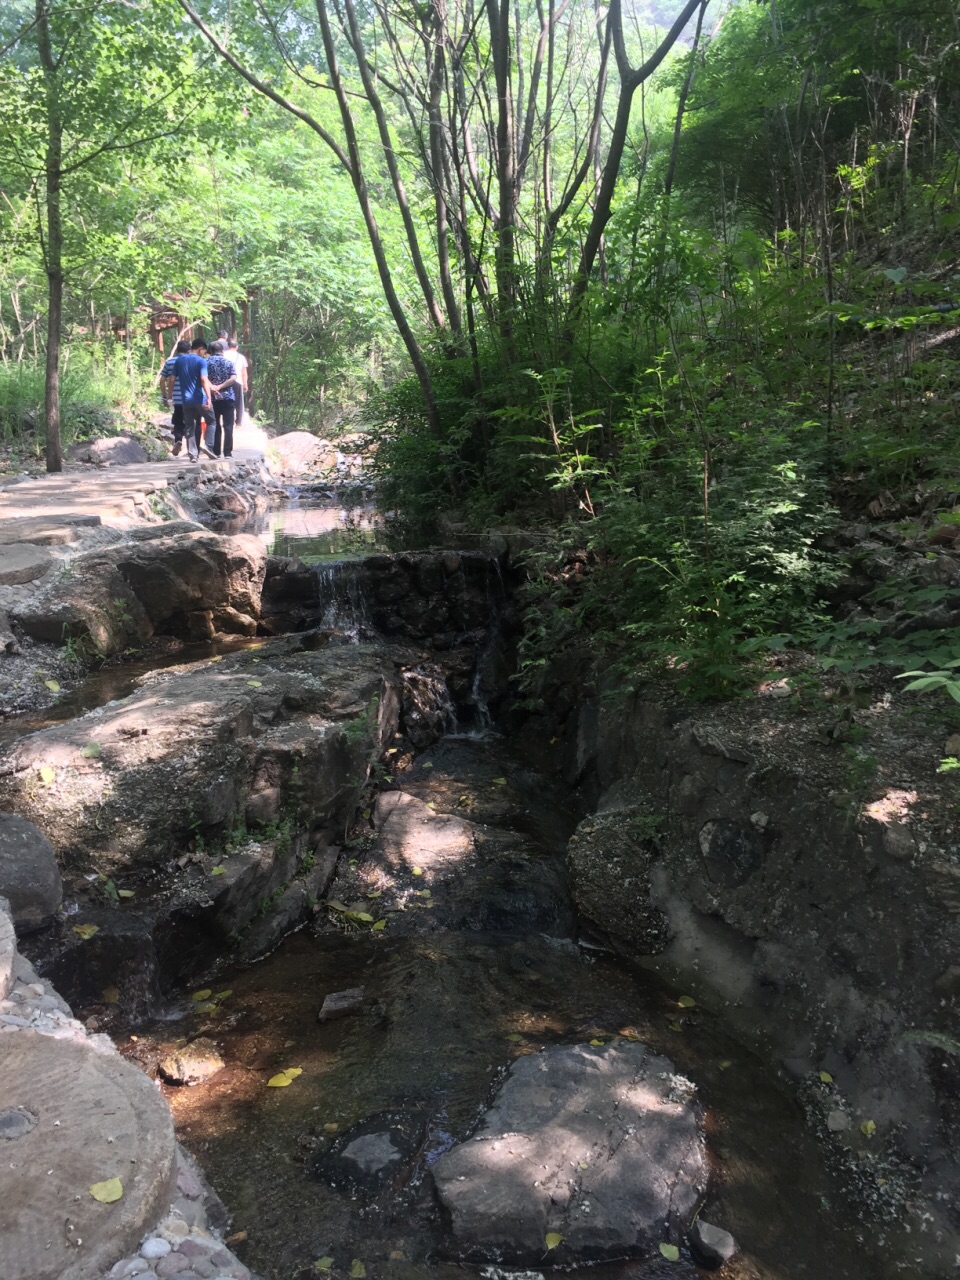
<point>343,604</point>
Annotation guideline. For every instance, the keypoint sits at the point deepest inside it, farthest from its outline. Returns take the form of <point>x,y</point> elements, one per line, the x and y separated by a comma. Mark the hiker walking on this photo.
<point>224,383</point>
<point>190,370</point>
<point>172,398</point>
<point>240,366</point>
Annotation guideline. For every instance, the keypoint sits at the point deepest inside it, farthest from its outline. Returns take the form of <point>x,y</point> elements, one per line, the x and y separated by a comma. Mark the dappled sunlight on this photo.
<point>893,807</point>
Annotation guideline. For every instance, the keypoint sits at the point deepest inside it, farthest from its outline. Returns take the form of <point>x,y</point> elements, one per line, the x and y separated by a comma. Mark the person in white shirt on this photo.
<point>240,366</point>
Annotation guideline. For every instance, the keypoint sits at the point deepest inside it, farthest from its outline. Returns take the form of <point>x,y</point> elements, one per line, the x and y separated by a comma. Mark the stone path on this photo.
<point>86,495</point>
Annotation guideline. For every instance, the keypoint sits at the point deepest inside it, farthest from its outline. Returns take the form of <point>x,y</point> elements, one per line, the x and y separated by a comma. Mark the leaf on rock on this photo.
<point>357,1270</point>
<point>126,893</point>
<point>687,1002</point>
<point>868,1128</point>
<point>499,782</point>
<point>323,1264</point>
<point>361,917</point>
<point>552,1239</point>
<point>285,1077</point>
<point>670,1252</point>
<point>515,1037</point>
<point>598,1044</point>
<point>379,926</point>
<point>826,1077</point>
<point>47,774</point>
<point>224,995</point>
<point>725,1063</point>
<point>91,751</point>
<point>255,684</point>
<point>86,930</point>
<point>332,1127</point>
<point>426,765</point>
<point>205,994</point>
<point>674,1025</point>
<point>337,906</point>
<point>218,871</point>
<point>374,893</point>
<point>107,1192</point>
<point>418,871</point>
<point>52,685</point>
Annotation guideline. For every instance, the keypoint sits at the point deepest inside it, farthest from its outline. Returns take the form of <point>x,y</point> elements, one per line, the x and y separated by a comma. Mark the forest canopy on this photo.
<point>681,277</point>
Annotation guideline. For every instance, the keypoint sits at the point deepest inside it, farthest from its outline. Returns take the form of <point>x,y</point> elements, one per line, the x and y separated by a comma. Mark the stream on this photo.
<point>480,961</point>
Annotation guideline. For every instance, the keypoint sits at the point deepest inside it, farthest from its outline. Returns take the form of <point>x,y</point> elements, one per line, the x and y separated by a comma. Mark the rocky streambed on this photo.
<point>503,1089</point>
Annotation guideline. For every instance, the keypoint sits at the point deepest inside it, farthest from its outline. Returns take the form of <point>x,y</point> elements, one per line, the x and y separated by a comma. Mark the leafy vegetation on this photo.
<point>681,286</point>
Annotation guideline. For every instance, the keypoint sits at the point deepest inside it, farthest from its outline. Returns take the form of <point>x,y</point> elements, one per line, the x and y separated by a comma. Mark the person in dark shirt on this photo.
<point>223,380</point>
<point>191,372</point>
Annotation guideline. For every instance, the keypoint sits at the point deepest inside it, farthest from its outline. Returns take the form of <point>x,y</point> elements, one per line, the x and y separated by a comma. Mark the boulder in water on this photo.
<point>601,1146</point>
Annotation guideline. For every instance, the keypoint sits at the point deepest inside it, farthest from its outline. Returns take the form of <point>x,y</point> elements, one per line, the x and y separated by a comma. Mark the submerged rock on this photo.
<point>601,1146</point>
<point>195,1062</point>
<point>711,1246</point>
<point>340,1003</point>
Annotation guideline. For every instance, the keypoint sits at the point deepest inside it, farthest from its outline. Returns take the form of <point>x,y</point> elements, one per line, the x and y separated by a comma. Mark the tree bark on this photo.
<point>53,244</point>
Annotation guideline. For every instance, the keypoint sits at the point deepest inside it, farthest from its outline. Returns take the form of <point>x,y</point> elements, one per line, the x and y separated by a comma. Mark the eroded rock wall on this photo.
<point>824,931</point>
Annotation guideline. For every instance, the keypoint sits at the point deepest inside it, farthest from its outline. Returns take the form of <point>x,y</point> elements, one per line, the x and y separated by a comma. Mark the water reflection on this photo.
<point>312,531</point>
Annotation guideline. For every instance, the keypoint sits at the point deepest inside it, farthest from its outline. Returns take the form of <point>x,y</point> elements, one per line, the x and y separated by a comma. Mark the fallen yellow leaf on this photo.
<point>687,1002</point>
<point>826,1077</point>
<point>107,1192</point>
<point>323,1264</point>
<point>283,1078</point>
<point>255,684</point>
<point>552,1239</point>
<point>868,1128</point>
<point>47,774</point>
<point>598,1043</point>
<point>379,926</point>
<point>331,1128</point>
<point>52,685</point>
<point>674,1026</point>
<point>670,1252</point>
<point>126,893</point>
<point>725,1063</point>
<point>218,871</point>
<point>357,1270</point>
<point>418,871</point>
<point>205,994</point>
<point>86,930</point>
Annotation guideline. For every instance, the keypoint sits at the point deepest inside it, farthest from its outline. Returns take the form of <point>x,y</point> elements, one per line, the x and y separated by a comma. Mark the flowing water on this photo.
<point>467,974</point>
<point>445,1011</point>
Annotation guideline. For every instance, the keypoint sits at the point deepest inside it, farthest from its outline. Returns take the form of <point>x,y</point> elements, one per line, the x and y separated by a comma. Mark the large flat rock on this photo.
<point>131,785</point>
<point>601,1146</point>
<point>87,1117</point>
<point>109,599</point>
<point>22,562</point>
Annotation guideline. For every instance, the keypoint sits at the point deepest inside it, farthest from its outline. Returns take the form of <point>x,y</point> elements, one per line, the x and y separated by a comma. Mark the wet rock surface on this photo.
<point>600,1145</point>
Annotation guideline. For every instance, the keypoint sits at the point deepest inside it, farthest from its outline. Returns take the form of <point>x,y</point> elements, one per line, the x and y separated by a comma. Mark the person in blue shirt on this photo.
<point>195,391</point>
<point>171,392</point>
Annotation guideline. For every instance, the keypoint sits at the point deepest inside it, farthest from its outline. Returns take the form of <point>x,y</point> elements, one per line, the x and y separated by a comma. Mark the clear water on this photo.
<point>444,1014</point>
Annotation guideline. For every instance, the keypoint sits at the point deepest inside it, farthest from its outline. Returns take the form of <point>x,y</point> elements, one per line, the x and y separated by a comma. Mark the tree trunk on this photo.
<point>53,248</point>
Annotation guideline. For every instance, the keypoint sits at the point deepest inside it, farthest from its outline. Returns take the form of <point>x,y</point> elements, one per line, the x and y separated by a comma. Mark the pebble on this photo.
<point>204,1267</point>
<point>173,1264</point>
<point>155,1247</point>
